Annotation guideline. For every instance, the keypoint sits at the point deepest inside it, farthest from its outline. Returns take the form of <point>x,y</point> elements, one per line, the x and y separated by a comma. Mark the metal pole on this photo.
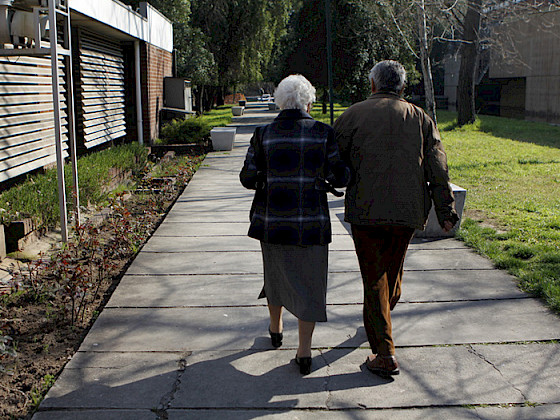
<point>57,122</point>
<point>328,17</point>
<point>139,121</point>
<point>71,118</point>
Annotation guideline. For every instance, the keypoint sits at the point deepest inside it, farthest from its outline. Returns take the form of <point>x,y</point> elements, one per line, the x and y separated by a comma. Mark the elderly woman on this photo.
<point>291,163</point>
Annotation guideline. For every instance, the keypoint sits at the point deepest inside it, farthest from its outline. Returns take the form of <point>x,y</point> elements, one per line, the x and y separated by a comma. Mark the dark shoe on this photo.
<point>384,366</point>
<point>304,364</point>
<point>275,338</point>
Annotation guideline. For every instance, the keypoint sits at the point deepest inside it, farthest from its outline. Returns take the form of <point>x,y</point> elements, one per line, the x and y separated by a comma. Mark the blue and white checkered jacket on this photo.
<point>287,164</point>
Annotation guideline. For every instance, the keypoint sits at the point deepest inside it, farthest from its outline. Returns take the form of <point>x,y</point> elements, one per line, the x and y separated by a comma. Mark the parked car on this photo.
<point>266,97</point>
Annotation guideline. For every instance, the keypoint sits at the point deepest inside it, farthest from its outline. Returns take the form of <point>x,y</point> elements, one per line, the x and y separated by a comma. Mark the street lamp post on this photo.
<point>329,56</point>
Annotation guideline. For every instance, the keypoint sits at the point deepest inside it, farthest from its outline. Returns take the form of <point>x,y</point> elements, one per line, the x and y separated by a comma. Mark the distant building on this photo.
<point>527,88</point>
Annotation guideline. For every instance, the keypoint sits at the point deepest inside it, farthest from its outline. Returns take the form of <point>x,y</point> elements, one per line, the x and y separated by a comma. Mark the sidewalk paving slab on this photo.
<point>237,240</point>
<point>531,368</point>
<point>234,328</point>
<point>339,380</point>
<point>543,412</point>
<point>114,380</point>
<point>549,412</point>
<point>208,290</point>
<point>245,262</point>
<point>95,414</point>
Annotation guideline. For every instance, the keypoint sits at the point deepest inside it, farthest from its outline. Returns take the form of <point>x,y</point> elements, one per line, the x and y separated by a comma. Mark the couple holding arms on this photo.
<point>389,154</point>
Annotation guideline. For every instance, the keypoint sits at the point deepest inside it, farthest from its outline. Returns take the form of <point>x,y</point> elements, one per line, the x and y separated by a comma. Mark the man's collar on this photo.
<point>385,93</point>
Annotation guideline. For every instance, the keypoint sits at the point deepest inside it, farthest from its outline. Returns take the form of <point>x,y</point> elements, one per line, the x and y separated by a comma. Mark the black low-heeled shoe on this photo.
<point>304,364</point>
<point>276,338</point>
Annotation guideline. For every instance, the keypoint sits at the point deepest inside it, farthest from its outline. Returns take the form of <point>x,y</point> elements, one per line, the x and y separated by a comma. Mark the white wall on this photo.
<point>149,25</point>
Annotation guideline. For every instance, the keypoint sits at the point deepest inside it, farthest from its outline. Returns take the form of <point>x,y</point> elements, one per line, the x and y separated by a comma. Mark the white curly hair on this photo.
<point>294,92</point>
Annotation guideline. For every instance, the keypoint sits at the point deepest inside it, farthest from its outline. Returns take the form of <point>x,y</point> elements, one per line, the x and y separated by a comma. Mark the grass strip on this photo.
<point>511,170</point>
<point>37,196</point>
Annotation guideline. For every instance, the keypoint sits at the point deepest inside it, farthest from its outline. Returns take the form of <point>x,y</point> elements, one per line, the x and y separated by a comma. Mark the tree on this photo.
<point>240,35</point>
<point>469,53</point>
<point>194,61</point>
<point>358,40</point>
<point>422,25</point>
<point>425,61</point>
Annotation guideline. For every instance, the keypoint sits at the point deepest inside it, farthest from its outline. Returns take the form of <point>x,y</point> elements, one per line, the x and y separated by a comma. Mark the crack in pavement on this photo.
<point>327,380</point>
<point>167,398</point>
<point>481,356</point>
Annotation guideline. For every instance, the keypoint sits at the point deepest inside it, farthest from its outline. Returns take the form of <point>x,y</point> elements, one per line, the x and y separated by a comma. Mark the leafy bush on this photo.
<point>192,130</point>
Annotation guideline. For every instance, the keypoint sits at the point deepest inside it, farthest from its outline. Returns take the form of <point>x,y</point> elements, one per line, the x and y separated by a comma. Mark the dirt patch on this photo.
<point>484,219</point>
<point>49,312</point>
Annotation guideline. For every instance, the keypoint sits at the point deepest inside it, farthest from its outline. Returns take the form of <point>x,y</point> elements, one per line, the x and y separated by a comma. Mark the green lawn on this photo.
<point>317,113</point>
<point>218,117</point>
<point>511,170</point>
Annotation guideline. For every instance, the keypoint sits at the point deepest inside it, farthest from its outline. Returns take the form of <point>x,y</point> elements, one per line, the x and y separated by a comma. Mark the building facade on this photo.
<point>526,86</point>
<point>118,56</point>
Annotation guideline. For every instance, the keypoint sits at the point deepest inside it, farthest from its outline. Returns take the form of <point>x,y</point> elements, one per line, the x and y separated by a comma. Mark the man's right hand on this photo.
<point>447,226</point>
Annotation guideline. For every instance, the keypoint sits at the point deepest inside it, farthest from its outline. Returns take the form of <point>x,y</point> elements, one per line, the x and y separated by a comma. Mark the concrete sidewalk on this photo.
<point>184,337</point>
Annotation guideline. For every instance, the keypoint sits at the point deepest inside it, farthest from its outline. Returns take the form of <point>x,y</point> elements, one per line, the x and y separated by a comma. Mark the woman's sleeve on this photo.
<point>250,173</point>
<point>338,173</point>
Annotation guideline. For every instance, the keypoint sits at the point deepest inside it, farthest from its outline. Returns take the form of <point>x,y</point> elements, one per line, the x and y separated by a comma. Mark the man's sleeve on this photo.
<point>436,173</point>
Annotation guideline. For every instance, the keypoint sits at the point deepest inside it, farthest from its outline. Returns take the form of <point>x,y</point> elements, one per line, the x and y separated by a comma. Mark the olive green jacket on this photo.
<point>398,164</point>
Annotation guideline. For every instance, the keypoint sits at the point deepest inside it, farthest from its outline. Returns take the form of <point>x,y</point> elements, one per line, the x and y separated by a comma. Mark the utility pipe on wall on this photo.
<point>139,121</point>
<point>57,123</point>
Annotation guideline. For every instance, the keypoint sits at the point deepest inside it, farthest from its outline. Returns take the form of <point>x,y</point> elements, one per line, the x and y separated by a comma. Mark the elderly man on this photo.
<point>398,168</point>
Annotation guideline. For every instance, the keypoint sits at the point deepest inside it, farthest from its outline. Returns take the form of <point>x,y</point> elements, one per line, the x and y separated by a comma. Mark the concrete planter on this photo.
<point>272,106</point>
<point>222,138</point>
<point>237,110</point>
<point>433,229</point>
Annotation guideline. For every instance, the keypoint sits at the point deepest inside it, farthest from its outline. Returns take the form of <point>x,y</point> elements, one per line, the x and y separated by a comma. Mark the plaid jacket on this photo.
<point>286,164</point>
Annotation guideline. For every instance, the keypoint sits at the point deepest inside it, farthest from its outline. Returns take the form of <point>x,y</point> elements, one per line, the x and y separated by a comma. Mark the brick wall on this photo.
<point>156,64</point>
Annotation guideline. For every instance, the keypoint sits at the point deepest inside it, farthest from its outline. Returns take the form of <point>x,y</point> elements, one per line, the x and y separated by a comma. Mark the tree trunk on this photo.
<point>425,61</point>
<point>220,98</point>
<point>468,52</point>
<point>198,99</point>
<point>207,99</point>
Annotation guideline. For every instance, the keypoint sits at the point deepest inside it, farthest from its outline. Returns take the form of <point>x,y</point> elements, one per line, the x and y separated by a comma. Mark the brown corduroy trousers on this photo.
<point>381,251</point>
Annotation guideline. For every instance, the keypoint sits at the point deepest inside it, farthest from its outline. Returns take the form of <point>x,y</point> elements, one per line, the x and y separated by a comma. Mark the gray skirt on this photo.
<point>295,277</point>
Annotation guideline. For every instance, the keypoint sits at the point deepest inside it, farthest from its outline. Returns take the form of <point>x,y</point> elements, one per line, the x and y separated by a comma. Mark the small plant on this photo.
<point>38,394</point>
<point>192,130</point>
<point>28,280</point>
<point>7,349</point>
<point>73,281</point>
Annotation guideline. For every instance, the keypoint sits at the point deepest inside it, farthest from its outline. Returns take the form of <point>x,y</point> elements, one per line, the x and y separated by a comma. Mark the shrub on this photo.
<point>192,130</point>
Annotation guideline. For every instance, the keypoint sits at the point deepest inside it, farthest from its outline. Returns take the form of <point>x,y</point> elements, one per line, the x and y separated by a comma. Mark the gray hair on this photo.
<point>388,75</point>
<point>294,92</point>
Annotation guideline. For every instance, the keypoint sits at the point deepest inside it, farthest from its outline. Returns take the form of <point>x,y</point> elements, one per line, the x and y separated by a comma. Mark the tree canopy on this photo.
<point>359,39</point>
<point>240,34</point>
